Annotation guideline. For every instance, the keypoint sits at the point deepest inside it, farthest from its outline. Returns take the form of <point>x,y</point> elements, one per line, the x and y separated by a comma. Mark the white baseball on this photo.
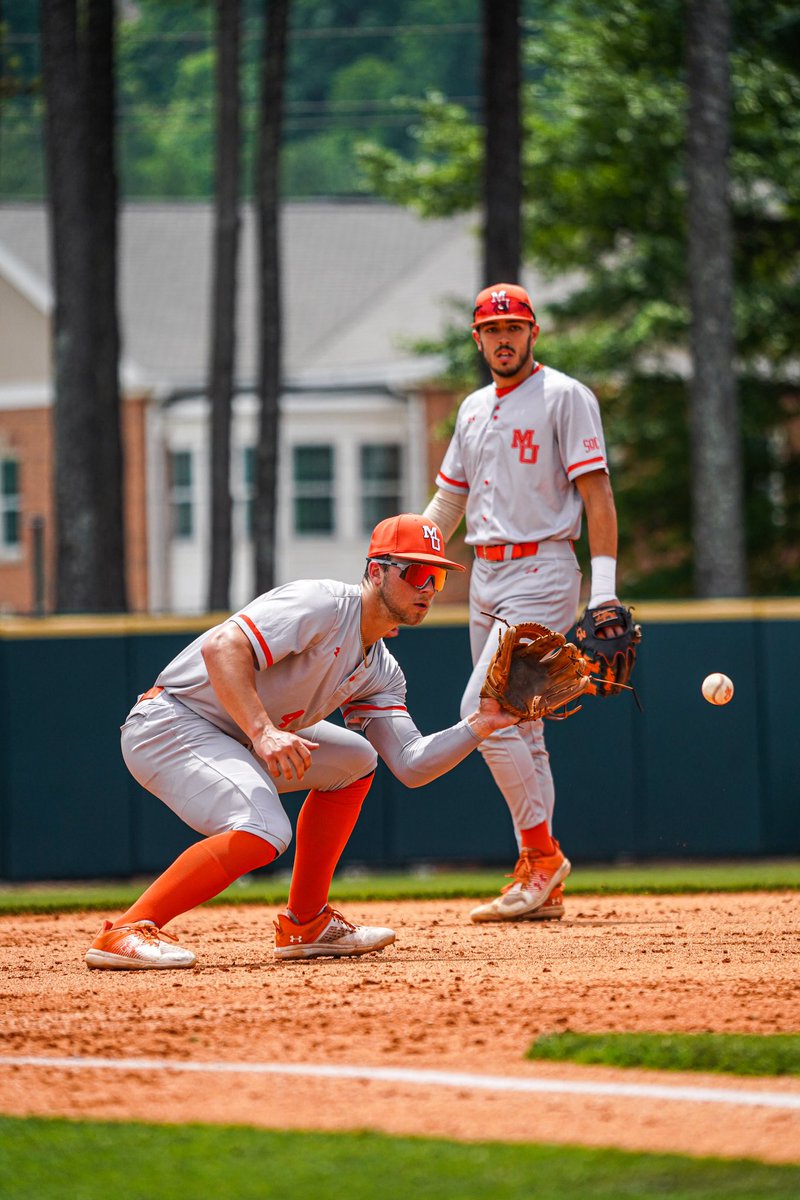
<point>717,688</point>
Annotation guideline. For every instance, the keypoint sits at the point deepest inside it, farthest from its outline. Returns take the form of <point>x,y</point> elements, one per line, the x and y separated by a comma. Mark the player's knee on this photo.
<point>365,760</point>
<point>360,762</point>
<point>279,832</point>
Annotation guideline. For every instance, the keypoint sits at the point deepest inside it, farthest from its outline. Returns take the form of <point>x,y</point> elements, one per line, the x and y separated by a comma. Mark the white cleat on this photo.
<point>329,935</point>
<point>535,877</point>
<point>141,946</point>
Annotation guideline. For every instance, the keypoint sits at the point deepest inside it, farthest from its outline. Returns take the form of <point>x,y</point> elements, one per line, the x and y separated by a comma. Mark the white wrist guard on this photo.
<point>604,580</point>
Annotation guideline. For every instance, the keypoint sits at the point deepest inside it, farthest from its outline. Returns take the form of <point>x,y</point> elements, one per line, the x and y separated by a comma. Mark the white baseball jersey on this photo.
<point>306,637</point>
<point>517,455</point>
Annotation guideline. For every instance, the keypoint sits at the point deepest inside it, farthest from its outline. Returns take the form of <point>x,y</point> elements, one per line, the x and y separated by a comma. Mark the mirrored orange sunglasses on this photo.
<point>417,574</point>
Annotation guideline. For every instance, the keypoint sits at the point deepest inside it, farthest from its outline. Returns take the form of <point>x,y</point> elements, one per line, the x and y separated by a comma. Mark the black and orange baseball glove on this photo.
<point>611,658</point>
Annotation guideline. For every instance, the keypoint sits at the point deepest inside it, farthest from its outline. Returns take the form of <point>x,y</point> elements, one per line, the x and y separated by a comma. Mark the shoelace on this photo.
<point>333,914</point>
<point>524,871</point>
<point>150,932</point>
<point>337,916</point>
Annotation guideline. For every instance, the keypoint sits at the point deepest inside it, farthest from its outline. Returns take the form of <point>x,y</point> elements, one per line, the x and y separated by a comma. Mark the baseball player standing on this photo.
<point>526,460</point>
<point>238,718</point>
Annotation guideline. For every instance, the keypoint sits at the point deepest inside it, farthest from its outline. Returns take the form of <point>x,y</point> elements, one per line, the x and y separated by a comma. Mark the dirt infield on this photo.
<point>447,997</point>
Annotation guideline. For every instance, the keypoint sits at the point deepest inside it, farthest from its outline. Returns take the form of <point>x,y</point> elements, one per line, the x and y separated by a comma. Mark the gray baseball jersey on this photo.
<point>517,454</point>
<point>182,744</point>
<point>306,638</point>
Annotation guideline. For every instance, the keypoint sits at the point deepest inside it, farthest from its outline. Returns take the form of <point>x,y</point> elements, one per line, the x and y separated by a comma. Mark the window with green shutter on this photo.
<point>10,532</point>
<point>313,478</point>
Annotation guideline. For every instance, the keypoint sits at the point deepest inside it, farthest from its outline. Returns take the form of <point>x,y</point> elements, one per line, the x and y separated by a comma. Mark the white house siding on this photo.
<point>345,422</point>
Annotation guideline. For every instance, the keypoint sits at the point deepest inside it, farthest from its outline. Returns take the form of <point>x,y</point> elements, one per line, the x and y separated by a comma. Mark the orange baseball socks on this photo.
<point>537,838</point>
<point>323,829</point>
<point>201,872</point>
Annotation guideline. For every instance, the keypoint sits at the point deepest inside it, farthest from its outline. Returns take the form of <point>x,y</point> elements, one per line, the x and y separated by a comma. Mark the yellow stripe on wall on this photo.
<point>785,608</point>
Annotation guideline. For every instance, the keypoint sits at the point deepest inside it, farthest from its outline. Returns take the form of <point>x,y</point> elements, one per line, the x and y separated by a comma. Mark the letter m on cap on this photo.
<point>432,534</point>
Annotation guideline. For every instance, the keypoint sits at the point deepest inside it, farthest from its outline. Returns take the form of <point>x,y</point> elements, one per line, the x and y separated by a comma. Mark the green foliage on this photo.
<point>94,1160</point>
<point>174,155</point>
<point>605,189</point>
<point>382,99</point>
<point>727,1053</point>
<point>349,65</point>
<point>444,177</point>
<point>21,164</point>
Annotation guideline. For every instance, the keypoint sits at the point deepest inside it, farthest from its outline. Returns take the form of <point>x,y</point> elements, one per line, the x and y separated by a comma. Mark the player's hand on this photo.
<point>489,717</point>
<point>284,753</point>
<point>610,631</point>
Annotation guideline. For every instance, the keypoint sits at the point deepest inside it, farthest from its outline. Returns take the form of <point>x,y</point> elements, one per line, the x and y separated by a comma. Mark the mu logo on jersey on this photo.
<point>523,441</point>
<point>431,534</point>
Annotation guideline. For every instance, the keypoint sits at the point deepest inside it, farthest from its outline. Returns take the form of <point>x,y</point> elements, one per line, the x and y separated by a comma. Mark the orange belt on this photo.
<point>498,553</point>
<point>151,695</point>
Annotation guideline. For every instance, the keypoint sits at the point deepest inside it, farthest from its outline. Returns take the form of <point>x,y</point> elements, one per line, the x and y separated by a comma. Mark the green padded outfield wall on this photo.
<point>679,780</point>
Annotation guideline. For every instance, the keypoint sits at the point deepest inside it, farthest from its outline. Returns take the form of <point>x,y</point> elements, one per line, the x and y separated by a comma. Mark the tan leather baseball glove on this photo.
<point>536,673</point>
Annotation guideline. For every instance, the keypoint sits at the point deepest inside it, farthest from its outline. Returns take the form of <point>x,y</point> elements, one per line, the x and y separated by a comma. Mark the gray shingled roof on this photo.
<point>360,279</point>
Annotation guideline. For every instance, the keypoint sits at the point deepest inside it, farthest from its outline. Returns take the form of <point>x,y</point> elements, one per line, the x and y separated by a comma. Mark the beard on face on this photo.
<point>514,365</point>
<point>410,615</point>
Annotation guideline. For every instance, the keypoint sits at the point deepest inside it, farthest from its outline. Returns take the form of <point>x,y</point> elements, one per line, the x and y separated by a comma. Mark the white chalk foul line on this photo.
<point>453,1079</point>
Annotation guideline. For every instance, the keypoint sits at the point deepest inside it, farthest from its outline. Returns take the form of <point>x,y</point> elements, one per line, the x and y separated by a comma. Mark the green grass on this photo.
<point>730,1053</point>
<point>70,1160</point>
<point>66,1160</point>
<point>426,884</point>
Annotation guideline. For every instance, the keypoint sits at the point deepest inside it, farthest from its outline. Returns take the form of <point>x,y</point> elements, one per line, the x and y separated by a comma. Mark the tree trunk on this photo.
<point>720,565</point>
<point>267,192</point>
<point>79,142</point>
<point>223,333</point>
<point>502,181</point>
<point>103,214</point>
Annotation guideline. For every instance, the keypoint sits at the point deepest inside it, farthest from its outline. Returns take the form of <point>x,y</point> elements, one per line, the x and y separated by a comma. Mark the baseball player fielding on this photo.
<point>717,688</point>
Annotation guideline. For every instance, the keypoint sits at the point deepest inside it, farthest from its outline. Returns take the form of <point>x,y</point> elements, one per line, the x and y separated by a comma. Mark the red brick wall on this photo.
<point>27,434</point>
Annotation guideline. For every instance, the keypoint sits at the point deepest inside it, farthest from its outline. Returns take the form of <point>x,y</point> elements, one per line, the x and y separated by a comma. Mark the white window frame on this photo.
<point>313,489</point>
<point>380,488</point>
<point>10,503</point>
<point>182,494</point>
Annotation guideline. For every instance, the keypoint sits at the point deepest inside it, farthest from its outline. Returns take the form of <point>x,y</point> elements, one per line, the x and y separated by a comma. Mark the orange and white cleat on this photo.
<point>141,946</point>
<point>551,910</point>
<point>329,935</point>
<point>536,876</point>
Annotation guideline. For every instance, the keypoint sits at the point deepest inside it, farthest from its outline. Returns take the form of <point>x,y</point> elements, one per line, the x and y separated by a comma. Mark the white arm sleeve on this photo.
<point>415,759</point>
<point>446,509</point>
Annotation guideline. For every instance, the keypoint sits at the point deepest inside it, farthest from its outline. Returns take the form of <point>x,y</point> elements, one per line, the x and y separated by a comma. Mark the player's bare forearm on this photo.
<point>231,672</point>
<point>601,523</point>
<point>601,513</point>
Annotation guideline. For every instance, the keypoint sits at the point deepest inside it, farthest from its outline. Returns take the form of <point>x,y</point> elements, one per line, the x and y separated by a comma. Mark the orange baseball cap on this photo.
<point>500,302</point>
<point>411,538</point>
